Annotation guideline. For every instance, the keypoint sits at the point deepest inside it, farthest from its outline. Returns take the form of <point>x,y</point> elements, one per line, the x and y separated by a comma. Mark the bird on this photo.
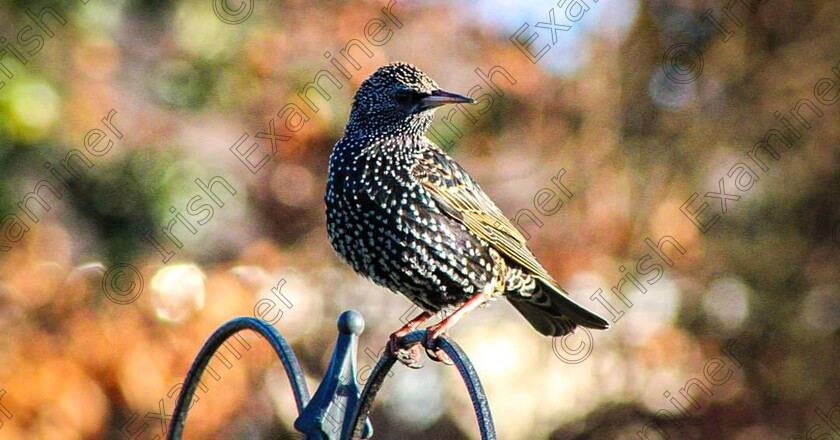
<point>404,214</point>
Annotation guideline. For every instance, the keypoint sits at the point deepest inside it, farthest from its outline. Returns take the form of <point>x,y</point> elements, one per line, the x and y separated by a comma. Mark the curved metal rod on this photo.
<point>470,377</point>
<point>228,329</point>
<point>468,374</point>
<point>374,383</point>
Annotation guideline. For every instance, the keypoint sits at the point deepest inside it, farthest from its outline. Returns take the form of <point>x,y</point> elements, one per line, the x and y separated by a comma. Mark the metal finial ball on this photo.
<point>351,321</point>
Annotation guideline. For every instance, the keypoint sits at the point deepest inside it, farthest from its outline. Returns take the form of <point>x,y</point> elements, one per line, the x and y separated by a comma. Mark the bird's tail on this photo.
<point>552,312</point>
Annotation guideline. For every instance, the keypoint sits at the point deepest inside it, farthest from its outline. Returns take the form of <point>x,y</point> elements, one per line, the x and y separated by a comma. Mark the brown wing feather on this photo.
<point>460,196</point>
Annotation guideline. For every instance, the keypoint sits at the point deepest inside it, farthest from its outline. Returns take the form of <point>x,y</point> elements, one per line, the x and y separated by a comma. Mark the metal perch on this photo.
<point>338,410</point>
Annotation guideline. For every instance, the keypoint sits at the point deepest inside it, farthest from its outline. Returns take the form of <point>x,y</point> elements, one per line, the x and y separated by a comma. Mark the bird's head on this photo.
<point>398,96</point>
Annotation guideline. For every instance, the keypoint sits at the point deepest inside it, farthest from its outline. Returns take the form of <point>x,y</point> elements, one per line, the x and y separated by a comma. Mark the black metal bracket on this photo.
<point>338,411</point>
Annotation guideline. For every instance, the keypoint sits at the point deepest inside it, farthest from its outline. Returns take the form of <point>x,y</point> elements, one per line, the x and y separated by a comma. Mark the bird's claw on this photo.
<point>411,356</point>
<point>434,352</point>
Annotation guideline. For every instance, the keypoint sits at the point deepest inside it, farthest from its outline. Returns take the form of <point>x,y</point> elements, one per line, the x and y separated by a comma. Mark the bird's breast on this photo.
<point>388,227</point>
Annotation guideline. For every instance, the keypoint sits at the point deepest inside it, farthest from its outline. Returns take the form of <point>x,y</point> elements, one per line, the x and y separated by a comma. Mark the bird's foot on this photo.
<point>434,352</point>
<point>411,357</point>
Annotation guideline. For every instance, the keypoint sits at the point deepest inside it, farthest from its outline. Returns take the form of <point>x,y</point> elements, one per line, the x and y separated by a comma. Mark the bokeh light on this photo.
<point>178,291</point>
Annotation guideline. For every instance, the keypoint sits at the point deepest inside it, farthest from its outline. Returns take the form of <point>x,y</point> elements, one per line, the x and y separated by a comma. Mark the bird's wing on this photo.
<point>458,195</point>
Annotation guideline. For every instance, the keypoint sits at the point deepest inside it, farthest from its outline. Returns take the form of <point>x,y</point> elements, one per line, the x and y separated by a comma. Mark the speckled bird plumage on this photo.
<point>403,213</point>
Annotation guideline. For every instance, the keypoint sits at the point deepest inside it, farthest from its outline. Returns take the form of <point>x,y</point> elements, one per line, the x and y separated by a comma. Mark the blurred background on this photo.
<point>188,79</point>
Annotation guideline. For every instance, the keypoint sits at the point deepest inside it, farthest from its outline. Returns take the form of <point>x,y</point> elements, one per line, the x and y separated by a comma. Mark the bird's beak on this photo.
<point>442,97</point>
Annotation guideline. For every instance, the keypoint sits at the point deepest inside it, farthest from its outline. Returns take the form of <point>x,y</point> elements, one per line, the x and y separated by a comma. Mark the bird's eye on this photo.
<point>406,97</point>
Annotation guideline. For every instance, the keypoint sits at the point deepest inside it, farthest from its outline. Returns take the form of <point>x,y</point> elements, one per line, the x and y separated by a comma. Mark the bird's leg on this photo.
<point>433,332</point>
<point>459,313</point>
<point>410,356</point>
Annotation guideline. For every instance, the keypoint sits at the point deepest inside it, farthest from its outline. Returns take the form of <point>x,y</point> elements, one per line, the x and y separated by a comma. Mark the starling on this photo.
<point>404,214</point>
